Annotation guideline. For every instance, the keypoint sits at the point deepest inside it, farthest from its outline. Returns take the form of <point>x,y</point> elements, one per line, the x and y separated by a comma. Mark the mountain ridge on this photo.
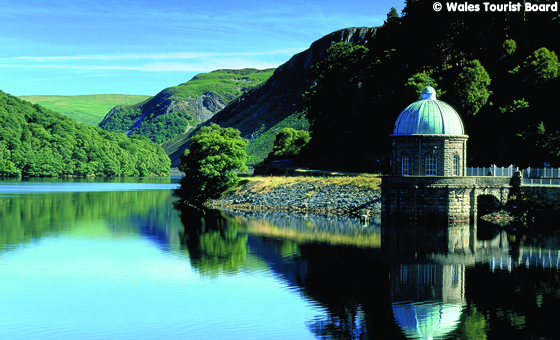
<point>177,109</point>
<point>261,111</point>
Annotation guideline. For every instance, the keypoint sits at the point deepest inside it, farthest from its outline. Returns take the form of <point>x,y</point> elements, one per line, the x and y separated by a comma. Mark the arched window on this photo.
<point>405,165</point>
<point>455,169</point>
<point>431,165</point>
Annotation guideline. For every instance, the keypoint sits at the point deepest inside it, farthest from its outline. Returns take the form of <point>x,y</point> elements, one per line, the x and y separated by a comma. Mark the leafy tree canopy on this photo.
<point>358,92</point>
<point>416,84</point>
<point>509,47</point>
<point>210,164</point>
<point>517,106</point>
<point>337,78</point>
<point>289,142</point>
<point>540,66</point>
<point>472,88</point>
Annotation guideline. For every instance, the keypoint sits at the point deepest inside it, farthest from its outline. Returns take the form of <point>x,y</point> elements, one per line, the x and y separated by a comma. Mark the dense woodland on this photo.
<point>35,141</point>
<point>498,69</point>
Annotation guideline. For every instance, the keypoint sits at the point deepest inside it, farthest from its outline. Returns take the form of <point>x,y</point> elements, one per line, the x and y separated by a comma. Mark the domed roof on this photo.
<point>429,116</point>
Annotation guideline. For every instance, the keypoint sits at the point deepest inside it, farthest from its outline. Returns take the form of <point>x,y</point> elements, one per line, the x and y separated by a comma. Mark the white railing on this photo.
<point>547,182</point>
<point>531,176</point>
<point>541,173</point>
<point>493,170</point>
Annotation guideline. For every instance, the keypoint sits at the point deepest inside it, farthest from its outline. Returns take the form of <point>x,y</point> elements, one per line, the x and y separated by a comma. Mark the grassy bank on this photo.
<point>266,183</point>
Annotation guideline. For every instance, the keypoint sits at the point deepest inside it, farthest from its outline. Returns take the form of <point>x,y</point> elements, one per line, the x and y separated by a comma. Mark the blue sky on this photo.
<point>70,47</point>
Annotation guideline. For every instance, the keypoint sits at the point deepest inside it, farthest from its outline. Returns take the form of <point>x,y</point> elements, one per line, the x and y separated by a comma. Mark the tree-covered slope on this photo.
<point>35,141</point>
<point>87,109</point>
<point>178,109</point>
<point>264,111</point>
<point>497,69</point>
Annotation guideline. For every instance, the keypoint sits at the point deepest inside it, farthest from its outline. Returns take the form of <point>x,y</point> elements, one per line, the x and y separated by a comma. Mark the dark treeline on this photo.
<point>498,69</point>
<point>35,141</point>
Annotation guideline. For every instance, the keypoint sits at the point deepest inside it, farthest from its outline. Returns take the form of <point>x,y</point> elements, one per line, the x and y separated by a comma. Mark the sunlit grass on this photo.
<point>86,109</point>
<point>266,183</point>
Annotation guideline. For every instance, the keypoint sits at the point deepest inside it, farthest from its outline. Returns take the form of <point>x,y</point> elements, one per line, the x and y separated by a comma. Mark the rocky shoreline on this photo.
<point>316,198</point>
<point>304,197</point>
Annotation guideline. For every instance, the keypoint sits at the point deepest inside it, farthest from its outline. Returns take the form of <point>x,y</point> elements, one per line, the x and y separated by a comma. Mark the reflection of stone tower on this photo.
<point>428,290</point>
<point>428,299</point>
<point>444,244</point>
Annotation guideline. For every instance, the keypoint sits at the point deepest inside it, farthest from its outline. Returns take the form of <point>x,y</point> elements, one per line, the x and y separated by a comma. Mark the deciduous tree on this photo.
<point>210,164</point>
<point>289,142</point>
<point>540,67</point>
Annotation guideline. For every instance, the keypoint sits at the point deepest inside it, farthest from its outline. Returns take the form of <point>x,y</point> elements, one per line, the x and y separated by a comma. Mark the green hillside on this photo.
<point>178,109</point>
<point>38,142</point>
<point>226,83</point>
<point>87,109</point>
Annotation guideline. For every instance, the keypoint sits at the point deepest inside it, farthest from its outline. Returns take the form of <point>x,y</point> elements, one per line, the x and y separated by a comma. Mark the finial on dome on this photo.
<point>429,93</point>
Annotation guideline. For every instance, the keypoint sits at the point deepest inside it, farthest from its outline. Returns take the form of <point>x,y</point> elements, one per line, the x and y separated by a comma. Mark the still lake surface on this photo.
<point>113,259</point>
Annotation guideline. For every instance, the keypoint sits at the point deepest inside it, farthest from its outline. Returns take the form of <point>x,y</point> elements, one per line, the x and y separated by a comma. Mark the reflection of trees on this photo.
<point>354,288</point>
<point>213,244</point>
<point>473,325</point>
<point>528,300</point>
<point>30,216</point>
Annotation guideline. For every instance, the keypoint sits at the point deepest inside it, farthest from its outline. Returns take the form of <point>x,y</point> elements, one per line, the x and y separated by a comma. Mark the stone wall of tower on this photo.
<point>416,199</point>
<point>455,146</point>
<point>418,147</point>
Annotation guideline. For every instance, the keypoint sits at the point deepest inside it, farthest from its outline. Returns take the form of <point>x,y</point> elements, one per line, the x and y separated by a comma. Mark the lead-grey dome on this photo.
<point>429,116</point>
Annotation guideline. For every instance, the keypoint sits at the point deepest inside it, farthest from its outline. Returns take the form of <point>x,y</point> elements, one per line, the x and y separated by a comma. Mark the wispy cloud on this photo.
<point>154,62</point>
<point>150,67</point>
<point>80,44</point>
<point>170,55</point>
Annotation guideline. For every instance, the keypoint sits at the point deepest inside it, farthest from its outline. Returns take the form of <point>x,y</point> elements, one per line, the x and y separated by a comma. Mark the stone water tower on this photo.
<point>428,160</point>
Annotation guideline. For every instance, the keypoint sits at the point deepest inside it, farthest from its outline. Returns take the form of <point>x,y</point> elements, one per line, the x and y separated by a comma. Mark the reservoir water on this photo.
<point>113,259</point>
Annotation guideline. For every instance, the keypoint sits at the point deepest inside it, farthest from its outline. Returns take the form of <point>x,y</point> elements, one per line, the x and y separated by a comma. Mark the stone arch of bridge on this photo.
<point>487,203</point>
<point>489,199</point>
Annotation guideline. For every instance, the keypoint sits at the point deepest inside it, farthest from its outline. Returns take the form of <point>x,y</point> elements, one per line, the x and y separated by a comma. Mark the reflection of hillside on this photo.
<point>26,217</point>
